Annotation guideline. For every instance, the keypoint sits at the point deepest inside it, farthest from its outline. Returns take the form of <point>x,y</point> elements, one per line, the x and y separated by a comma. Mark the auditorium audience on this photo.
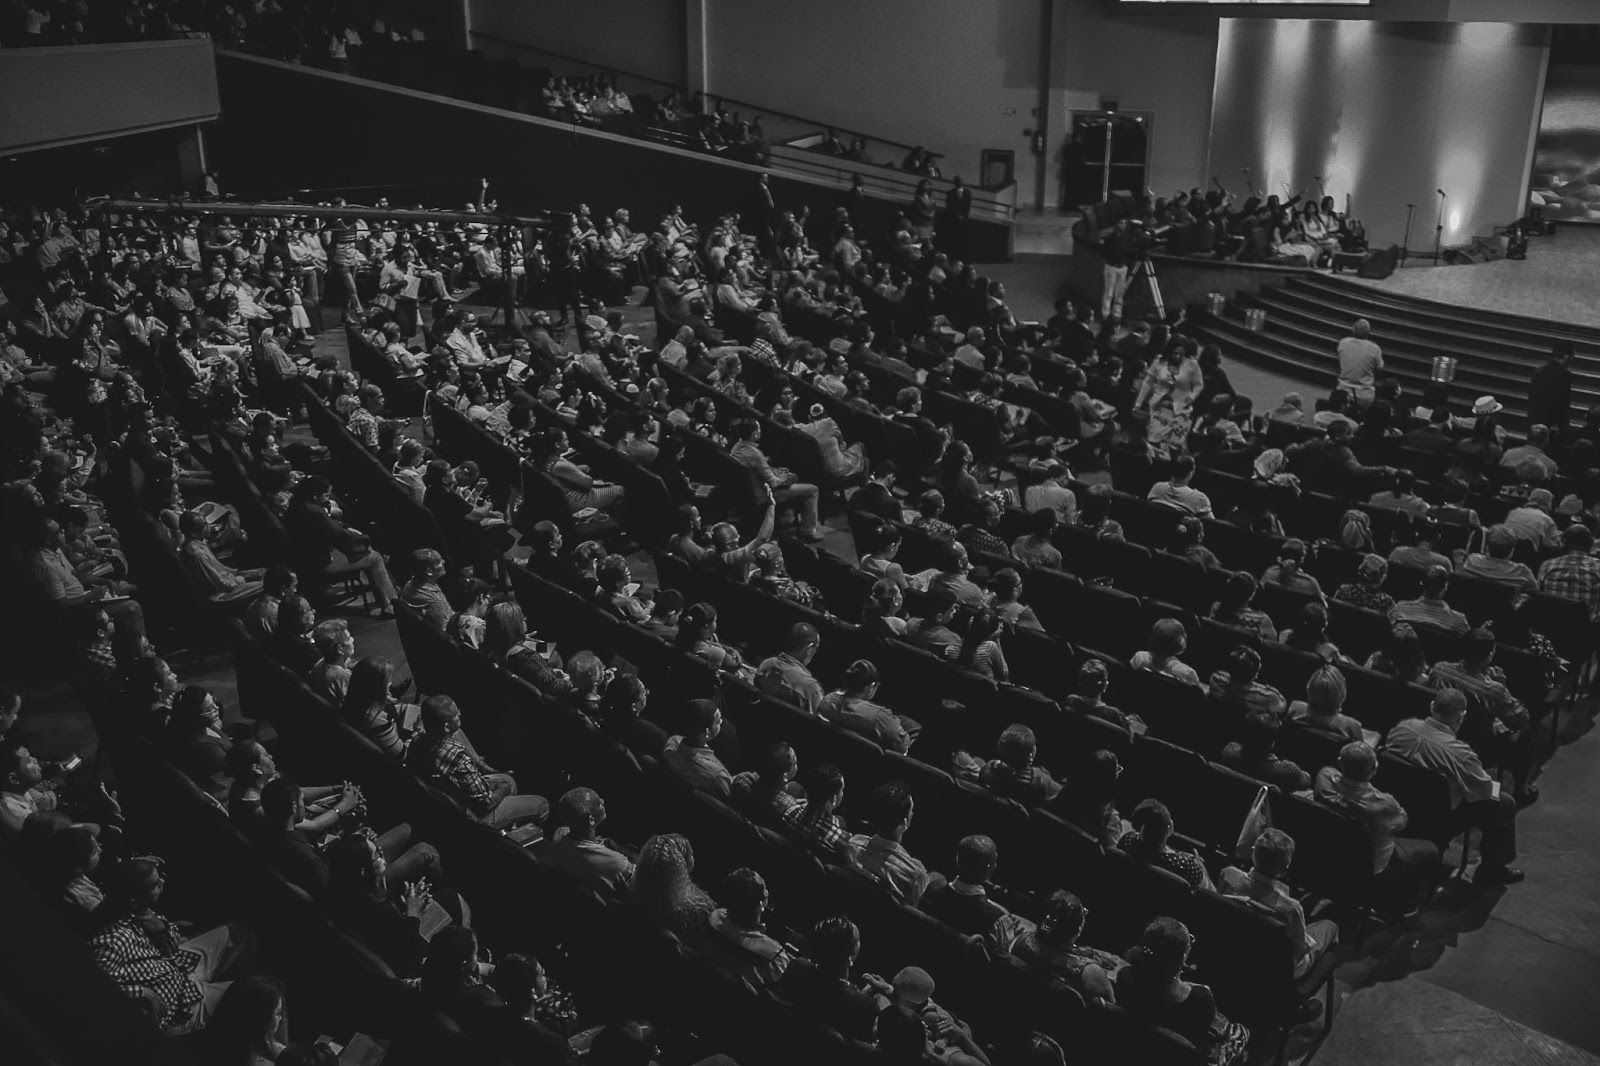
<point>570,417</point>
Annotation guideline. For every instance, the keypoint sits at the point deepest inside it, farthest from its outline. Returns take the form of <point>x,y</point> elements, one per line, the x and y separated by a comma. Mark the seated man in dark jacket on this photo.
<point>877,496</point>
<point>1252,754</point>
<point>824,988</point>
<point>968,903</point>
<point>331,548</point>
<point>1013,774</point>
<point>288,847</point>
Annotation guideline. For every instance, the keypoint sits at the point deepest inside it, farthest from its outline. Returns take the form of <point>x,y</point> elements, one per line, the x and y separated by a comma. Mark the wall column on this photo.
<point>1041,110</point>
<point>191,151</point>
<point>696,48</point>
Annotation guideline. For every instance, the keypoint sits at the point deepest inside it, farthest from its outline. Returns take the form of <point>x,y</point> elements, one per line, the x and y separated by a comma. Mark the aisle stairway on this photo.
<point>1308,314</point>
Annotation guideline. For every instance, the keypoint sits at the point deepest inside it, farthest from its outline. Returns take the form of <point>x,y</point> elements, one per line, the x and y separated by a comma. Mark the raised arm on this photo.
<point>768,520</point>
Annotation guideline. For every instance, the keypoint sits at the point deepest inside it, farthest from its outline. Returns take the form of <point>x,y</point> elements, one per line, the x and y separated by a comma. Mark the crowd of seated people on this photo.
<point>1214,222</point>
<point>961,420</point>
<point>312,32</point>
<point>402,45</point>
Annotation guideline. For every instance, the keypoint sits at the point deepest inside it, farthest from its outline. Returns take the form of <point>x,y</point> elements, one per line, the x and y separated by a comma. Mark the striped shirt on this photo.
<point>1435,613</point>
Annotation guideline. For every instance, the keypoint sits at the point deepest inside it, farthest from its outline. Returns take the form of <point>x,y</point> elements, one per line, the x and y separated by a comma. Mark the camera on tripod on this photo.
<point>1147,238</point>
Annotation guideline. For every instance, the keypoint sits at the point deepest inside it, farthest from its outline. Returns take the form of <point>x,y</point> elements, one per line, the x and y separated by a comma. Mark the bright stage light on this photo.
<point>1455,221</point>
<point>1291,39</point>
<point>1484,36</point>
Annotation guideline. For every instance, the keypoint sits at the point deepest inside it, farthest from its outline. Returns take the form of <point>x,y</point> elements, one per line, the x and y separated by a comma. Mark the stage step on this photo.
<point>1455,339</point>
<point>1452,313</point>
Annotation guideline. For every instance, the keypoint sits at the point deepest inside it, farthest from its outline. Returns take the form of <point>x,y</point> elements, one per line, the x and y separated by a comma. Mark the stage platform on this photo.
<point>1559,281</point>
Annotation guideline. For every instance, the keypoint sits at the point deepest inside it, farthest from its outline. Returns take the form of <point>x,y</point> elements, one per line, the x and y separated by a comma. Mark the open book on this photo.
<point>434,918</point>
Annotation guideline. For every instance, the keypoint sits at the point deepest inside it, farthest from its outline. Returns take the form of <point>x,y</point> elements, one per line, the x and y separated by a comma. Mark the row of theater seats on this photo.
<point>340,987</point>
<point>214,874</point>
<point>1116,623</point>
<point>1342,868</point>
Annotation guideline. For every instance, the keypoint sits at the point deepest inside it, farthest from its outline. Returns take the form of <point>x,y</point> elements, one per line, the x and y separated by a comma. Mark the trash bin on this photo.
<point>1254,319</point>
<point>1444,368</point>
<point>1216,303</point>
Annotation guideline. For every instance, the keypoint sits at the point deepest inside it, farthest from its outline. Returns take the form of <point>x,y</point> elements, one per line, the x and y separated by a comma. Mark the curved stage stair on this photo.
<point>1306,316</point>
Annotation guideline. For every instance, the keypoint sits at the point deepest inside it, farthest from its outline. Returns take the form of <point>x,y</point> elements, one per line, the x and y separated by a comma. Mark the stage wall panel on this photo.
<point>1386,113</point>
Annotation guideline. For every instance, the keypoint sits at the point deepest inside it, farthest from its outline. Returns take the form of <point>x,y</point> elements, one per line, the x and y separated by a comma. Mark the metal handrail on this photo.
<point>713,97</point>
<point>996,204</point>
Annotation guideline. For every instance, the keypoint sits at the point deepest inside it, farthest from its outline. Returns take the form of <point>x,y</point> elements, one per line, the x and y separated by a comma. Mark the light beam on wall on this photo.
<point>1484,36</point>
<point>1347,149</point>
<point>1291,39</point>
<point>1471,84</point>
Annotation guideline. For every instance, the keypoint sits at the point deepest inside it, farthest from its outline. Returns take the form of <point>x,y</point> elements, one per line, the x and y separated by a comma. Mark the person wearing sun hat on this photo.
<point>1484,406</point>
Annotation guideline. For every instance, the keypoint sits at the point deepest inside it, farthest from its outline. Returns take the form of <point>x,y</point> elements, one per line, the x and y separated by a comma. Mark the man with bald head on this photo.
<point>1476,799</point>
<point>577,849</point>
<point>1360,359</point>
<point>787,675</point>
<point>1401,865</point>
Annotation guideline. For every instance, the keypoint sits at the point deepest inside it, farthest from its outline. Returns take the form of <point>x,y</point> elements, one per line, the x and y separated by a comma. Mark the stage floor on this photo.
<point>1559,281</point>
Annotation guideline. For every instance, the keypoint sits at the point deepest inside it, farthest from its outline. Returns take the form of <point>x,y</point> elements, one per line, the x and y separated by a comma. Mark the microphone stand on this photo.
<point>1405,244</point>
<point>1438,230</point>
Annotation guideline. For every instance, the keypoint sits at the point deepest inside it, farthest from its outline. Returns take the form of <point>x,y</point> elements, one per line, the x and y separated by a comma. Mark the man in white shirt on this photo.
<point>1475,797</point>
<point>970,354</point>
<point>1532,522</point>
<point>578,851</point>
<point>463,344</point>
<point>1050,494</point>
<point>398,281</point>
<point>1176,493</point>
<point>1360,359</point>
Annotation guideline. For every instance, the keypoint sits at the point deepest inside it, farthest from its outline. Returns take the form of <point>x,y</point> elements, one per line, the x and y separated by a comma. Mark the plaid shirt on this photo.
<point>763,351</point>
<point>822,833</point>
<point>1486,689</point>
<point>445,762</point>
<point>1573,576</point>
<point>139,960</point>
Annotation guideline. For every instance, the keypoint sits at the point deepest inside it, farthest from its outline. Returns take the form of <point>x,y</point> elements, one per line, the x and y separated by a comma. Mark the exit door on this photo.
<point>1106,152</point>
